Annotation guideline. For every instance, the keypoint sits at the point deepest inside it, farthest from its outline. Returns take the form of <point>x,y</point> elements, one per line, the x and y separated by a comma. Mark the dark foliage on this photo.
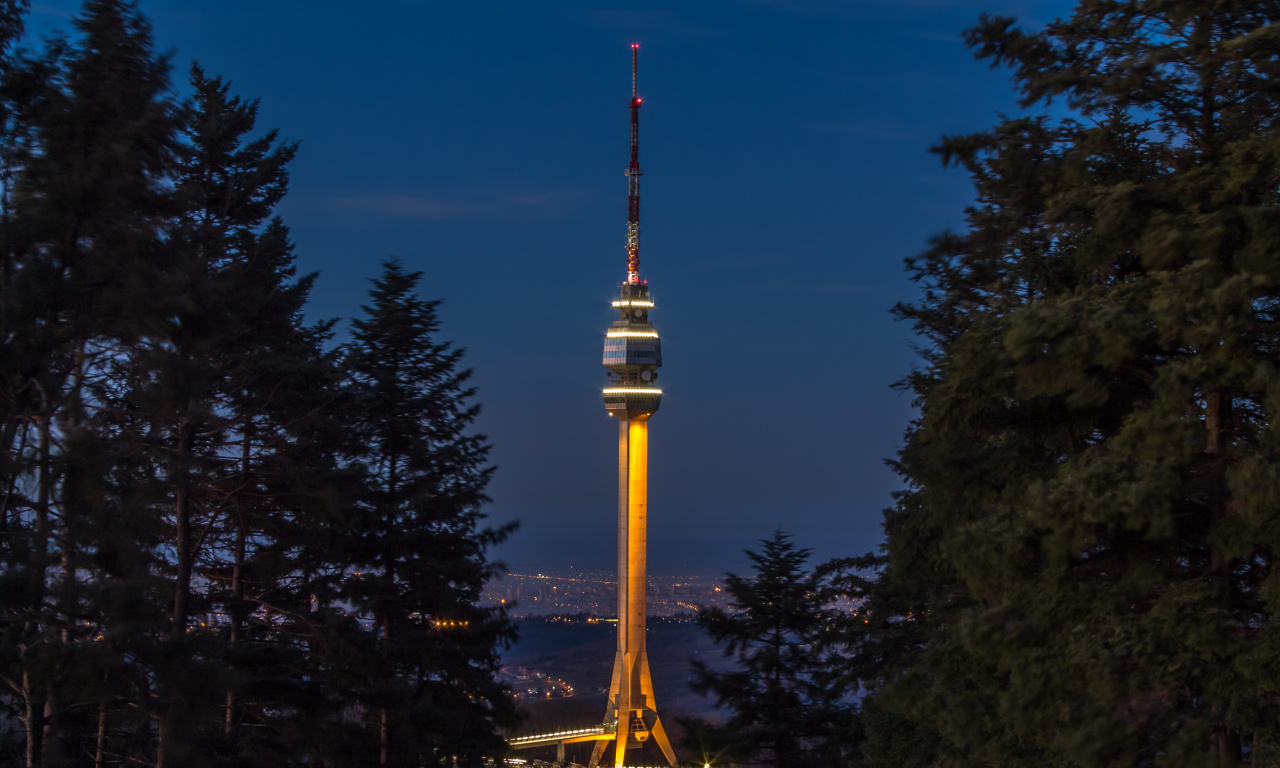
<point>1082,571</point>
<point>415,543</point>
<point>790,702</point>
<point>205,556</point>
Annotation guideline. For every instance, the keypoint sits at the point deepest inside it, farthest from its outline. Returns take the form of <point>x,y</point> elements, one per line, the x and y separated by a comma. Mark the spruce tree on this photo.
<point>419,557</point>
<point>787,706</point>
<point>1089,529</point>
<point>211,402</point>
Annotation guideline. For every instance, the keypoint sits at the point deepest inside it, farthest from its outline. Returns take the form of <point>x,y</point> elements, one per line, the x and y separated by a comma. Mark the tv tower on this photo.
<point>633,354</point>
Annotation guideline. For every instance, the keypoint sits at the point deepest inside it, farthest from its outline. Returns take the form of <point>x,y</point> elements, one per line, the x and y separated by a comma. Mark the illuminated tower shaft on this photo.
<point>633,354</point>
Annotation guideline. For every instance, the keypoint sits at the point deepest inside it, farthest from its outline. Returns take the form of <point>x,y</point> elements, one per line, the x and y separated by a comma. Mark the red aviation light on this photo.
<point>635,45</point>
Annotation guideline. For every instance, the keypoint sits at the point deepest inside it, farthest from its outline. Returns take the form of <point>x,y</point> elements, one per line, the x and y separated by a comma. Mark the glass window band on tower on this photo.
<point>633,354</point>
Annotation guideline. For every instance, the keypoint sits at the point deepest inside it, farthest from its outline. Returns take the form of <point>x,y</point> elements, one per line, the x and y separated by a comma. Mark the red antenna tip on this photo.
<point>635,45</point>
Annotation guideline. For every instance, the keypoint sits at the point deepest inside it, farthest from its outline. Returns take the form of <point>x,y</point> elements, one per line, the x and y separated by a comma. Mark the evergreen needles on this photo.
<point>1082,570</point>
<point>1087,549</point>
<point>222,541</point>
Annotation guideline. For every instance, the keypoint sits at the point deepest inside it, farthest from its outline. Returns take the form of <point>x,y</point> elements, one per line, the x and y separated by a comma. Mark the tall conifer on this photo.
<point>788,705</point>
<point>421,552</point>
<point>201,502</point>
<point>230,354</point>
<point>89,207</point>
<point>1090,523</point>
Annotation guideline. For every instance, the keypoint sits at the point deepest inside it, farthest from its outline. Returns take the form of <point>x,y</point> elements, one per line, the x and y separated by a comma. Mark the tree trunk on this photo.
<point>1217,423</point>
<point>182,524</point>
<point>237,568</point>
<point>11,486</point>
<point>1218,402</point>
<point>182,581</point>
<point>51,753</point>
<point>389,575</point>
<point>383,739</point>
<point>1217,415</point>
<point>1229,748</point>
<point>74,413</point>
<point>35,721</point>
<point>99,756</point>
<point>41,553</point>
<point>41,735</point>
<point>384,732</point>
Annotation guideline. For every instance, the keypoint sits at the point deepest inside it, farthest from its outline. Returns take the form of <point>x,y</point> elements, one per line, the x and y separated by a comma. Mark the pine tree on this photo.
<point>1088,530</point>
<point>420,561</point>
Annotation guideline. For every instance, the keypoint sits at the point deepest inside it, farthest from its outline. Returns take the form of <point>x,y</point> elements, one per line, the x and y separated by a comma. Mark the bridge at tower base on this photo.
<point>596,733</point>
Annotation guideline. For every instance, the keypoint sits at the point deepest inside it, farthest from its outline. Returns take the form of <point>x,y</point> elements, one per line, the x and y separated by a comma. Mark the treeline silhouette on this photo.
<point>223,539</point>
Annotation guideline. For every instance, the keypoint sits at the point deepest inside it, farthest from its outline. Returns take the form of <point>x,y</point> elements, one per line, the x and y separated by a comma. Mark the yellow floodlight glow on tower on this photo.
<point>629,334</point>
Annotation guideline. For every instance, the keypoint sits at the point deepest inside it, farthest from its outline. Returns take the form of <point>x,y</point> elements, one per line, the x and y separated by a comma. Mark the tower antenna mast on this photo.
<point>633,180</point>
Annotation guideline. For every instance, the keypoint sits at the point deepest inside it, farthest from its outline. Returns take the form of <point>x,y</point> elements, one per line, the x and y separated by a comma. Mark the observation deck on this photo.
<point>630,401</point>
<point>633,355</point>
<point>629,345</point>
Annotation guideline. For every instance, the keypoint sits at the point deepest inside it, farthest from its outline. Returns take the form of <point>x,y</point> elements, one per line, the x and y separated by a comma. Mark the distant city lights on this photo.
<point>591,597</point>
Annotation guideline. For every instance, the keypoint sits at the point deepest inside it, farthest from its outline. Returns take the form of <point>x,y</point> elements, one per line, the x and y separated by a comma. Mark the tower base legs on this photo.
<point>597,752</point>
<point>656,732</point>
<point>660,736</point>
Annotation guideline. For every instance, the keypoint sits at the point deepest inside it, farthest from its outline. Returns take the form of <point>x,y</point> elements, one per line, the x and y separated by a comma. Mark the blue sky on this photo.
<point>787,175</point>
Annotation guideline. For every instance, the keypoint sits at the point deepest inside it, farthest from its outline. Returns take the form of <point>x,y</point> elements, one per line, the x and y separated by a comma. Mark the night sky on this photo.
<point>787,175</point>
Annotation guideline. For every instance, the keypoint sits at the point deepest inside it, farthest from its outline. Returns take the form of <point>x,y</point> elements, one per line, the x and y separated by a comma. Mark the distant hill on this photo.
<point>582,654</point>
